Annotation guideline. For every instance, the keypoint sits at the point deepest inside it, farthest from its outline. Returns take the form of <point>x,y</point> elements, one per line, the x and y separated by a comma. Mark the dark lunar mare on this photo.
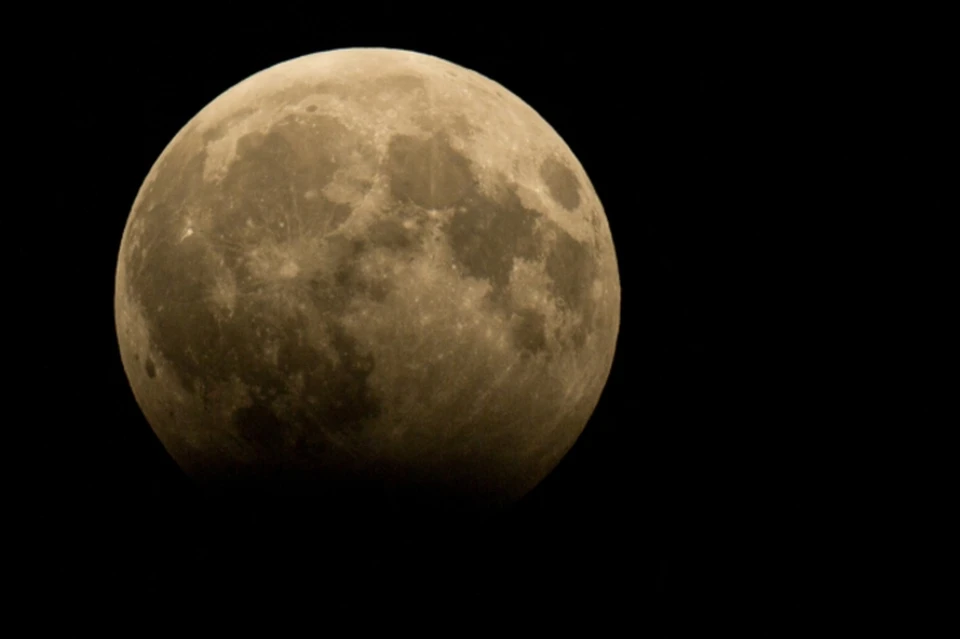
<point>489,231</point>
<point>561,183</point>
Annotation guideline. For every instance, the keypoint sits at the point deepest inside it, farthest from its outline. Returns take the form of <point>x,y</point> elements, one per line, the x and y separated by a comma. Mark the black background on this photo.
<point>705,480</point>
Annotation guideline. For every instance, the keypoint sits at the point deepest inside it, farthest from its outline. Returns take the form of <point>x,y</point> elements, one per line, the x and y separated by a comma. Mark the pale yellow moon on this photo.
<point>368,265</point>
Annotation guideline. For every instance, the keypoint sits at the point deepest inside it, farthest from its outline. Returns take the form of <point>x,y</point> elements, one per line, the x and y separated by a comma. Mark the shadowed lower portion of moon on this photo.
<point>363,278</point>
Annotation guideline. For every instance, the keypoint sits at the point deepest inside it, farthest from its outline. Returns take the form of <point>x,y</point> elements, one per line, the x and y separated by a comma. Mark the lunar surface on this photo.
<point>368,265</point>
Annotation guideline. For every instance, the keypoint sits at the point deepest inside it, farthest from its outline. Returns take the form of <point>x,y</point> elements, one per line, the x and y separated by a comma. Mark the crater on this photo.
<point>562,183</point>
<point>150,368</point>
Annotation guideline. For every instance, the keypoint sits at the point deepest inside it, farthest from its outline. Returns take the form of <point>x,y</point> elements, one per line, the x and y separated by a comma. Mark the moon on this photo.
<point>368,266</point>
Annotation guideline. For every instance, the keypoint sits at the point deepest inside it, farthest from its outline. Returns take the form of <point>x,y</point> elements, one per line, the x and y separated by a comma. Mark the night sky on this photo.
<point>693,485</point>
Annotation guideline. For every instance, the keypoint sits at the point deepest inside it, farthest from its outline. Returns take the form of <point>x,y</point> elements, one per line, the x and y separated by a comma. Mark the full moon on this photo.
<point>368,266</point>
